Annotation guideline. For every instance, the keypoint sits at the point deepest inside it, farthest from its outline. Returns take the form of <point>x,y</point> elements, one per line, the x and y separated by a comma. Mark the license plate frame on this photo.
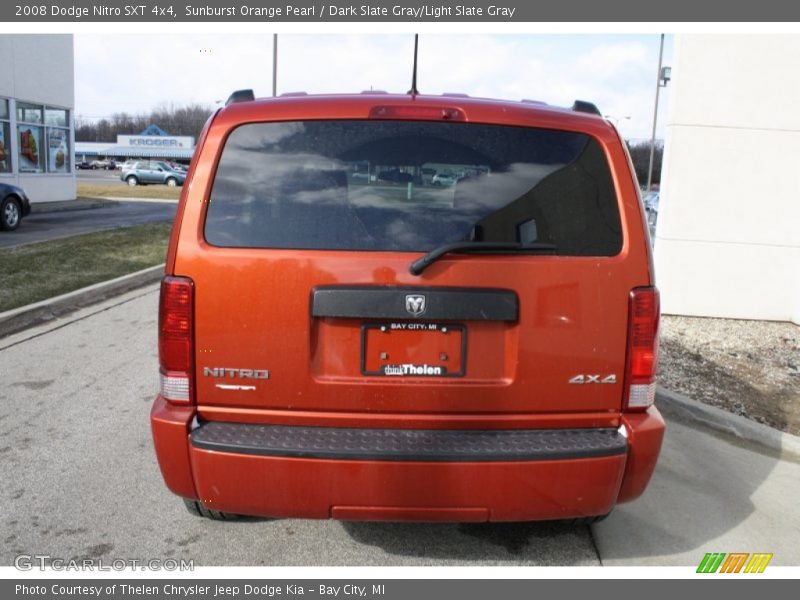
<point>390,327</point>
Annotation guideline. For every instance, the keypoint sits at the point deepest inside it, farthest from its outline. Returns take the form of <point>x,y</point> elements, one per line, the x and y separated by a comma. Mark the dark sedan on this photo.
<point>14,205</point>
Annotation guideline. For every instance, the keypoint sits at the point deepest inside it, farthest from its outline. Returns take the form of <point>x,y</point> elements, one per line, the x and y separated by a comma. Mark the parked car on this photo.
<point>650,201</point>
<point>330,350</point>
<point>177,166</point>
<point>14,205</point>
<point>84,164</point>
<point>395,176</point>
<point>148,172</point>
<point>444,179</point>
<point>99,164</point>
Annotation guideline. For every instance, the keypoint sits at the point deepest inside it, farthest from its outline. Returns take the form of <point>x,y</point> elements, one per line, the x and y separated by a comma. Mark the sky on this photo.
<point>135,73</point>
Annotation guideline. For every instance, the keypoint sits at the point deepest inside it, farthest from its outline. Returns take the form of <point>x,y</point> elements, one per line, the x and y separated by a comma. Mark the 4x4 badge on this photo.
<point>415,304</point>
<point>581,379</point>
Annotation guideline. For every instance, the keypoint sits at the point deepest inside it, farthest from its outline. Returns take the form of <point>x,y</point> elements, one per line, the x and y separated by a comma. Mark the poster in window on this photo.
<point>30,138</point>
<point>5,158</point>
<point>57,150</point>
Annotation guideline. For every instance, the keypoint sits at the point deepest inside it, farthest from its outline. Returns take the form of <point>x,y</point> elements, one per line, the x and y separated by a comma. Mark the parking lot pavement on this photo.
<point>80,479</point>
<point>38,227</point>
<point>709,493</point>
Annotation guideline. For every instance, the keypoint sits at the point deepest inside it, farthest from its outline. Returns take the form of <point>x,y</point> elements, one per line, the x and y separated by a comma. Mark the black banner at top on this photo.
<point>413,11</point>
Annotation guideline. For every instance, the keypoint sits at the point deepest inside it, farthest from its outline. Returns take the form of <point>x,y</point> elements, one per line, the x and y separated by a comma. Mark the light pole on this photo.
<point>662,77</point>
<point>274,64</point>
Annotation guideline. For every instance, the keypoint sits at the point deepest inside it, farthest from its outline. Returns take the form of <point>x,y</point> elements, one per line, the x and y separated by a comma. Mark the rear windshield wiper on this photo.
<point>422,263</point>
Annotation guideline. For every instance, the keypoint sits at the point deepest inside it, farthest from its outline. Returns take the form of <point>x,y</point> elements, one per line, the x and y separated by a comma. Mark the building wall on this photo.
<point>39,69</point>
<point>728,234</point>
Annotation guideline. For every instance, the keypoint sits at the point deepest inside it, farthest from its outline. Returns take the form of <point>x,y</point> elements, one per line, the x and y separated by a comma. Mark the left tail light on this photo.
<point>644,312</point>
<point>176,339</point>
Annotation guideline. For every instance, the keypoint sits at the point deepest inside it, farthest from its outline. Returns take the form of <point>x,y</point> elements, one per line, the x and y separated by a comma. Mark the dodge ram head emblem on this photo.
<point>415,304</point>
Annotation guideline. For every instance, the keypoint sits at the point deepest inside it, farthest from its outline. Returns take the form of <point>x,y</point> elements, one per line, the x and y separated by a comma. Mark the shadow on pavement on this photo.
<point>546,543</point>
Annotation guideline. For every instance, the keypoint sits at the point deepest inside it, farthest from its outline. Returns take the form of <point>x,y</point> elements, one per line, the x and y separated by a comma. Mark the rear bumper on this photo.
<point>312,472</point>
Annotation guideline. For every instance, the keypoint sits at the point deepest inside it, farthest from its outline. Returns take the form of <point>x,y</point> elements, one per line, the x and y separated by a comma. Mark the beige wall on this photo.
<point>39,69</point>
<point>728,236</point>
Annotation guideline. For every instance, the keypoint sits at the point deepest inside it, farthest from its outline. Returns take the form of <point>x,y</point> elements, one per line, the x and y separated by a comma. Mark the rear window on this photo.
<point>411,186</point>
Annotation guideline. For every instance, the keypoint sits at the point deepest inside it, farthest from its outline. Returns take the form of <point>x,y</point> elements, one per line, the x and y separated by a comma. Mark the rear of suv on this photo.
<point>384,348</point>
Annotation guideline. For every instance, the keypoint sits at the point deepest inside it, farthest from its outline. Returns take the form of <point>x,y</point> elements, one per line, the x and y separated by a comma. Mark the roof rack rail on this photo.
<point>240,96</point>
<point>586,107</point>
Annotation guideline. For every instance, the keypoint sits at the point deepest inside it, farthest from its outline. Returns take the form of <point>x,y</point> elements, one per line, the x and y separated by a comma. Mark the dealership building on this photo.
<point>728,233</point>
<point>153,143</point>
<point>37,99</point>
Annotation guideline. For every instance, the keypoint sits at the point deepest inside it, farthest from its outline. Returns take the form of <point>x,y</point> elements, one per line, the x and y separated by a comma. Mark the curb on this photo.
<point>672,403</point>
<point>125,199</point>
<point>83,203</point>
<point>17,319</point>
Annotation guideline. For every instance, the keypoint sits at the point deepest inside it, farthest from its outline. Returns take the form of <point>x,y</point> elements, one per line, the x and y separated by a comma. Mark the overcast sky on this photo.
<point>134,73</point>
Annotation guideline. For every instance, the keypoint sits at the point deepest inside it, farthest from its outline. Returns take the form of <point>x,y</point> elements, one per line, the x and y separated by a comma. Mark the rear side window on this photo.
<point>411,186</point>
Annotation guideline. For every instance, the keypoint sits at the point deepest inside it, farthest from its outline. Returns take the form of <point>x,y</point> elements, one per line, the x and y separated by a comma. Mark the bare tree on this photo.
<point>175,120</point>
<point>640,155</point>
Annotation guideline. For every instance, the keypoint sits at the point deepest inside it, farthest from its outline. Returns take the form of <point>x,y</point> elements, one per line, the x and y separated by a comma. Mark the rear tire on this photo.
<point>172,182</point>
<point>197,509</point>
<point>10,214</point>
<point>132,181</point>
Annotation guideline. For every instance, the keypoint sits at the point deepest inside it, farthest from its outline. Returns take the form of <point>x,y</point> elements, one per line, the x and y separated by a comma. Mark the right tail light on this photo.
<point>642,362</point>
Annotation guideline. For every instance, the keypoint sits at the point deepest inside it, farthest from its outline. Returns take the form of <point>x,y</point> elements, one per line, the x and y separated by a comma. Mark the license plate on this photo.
<point>401,349</point>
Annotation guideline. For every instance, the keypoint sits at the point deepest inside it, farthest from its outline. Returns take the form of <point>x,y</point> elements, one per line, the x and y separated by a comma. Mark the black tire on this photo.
<point>132,180</point>
<point>587,520</point>
<point>10,213</point>
<point>197,509</point>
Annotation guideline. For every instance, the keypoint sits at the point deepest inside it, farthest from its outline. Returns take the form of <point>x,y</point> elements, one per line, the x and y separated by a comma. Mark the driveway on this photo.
<point>80,479</point>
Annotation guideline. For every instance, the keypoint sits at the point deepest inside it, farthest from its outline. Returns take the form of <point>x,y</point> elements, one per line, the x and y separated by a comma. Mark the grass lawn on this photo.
<point>38,271</point>
<point>113,190</point>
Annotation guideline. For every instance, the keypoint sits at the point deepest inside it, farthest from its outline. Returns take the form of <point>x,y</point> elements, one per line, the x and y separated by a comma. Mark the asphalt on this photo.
<point>42,226</point>
<point>80,479</point>
<point>99,176</point>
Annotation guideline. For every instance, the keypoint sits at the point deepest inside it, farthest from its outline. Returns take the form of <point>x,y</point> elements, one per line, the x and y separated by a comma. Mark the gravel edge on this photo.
<point>678,405</point>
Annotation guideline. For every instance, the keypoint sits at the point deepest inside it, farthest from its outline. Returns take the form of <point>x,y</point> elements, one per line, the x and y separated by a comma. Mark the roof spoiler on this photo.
<point>240,96</point>
<point>586,107</point>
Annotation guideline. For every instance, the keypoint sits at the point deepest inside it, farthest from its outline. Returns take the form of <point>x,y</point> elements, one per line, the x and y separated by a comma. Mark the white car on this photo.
<point>444,179</point>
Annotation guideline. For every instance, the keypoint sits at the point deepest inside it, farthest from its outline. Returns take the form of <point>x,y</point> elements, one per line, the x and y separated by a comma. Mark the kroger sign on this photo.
<point>155,141</point>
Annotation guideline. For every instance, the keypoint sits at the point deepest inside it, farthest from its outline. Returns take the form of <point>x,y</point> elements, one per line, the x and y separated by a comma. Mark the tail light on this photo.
<point>418,113</point>
<point>642,363</point>
<point>176,339</point>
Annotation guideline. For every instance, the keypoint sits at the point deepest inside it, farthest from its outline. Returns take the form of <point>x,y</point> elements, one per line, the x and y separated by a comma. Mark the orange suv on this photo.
<point>343,337</point>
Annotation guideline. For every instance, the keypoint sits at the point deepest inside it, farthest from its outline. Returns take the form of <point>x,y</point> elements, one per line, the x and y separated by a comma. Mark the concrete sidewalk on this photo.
<point>711,492</point>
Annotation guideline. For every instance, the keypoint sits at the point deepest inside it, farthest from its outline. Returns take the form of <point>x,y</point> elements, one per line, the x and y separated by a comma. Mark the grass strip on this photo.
<point>113,190</point>
<point>39,271</point>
